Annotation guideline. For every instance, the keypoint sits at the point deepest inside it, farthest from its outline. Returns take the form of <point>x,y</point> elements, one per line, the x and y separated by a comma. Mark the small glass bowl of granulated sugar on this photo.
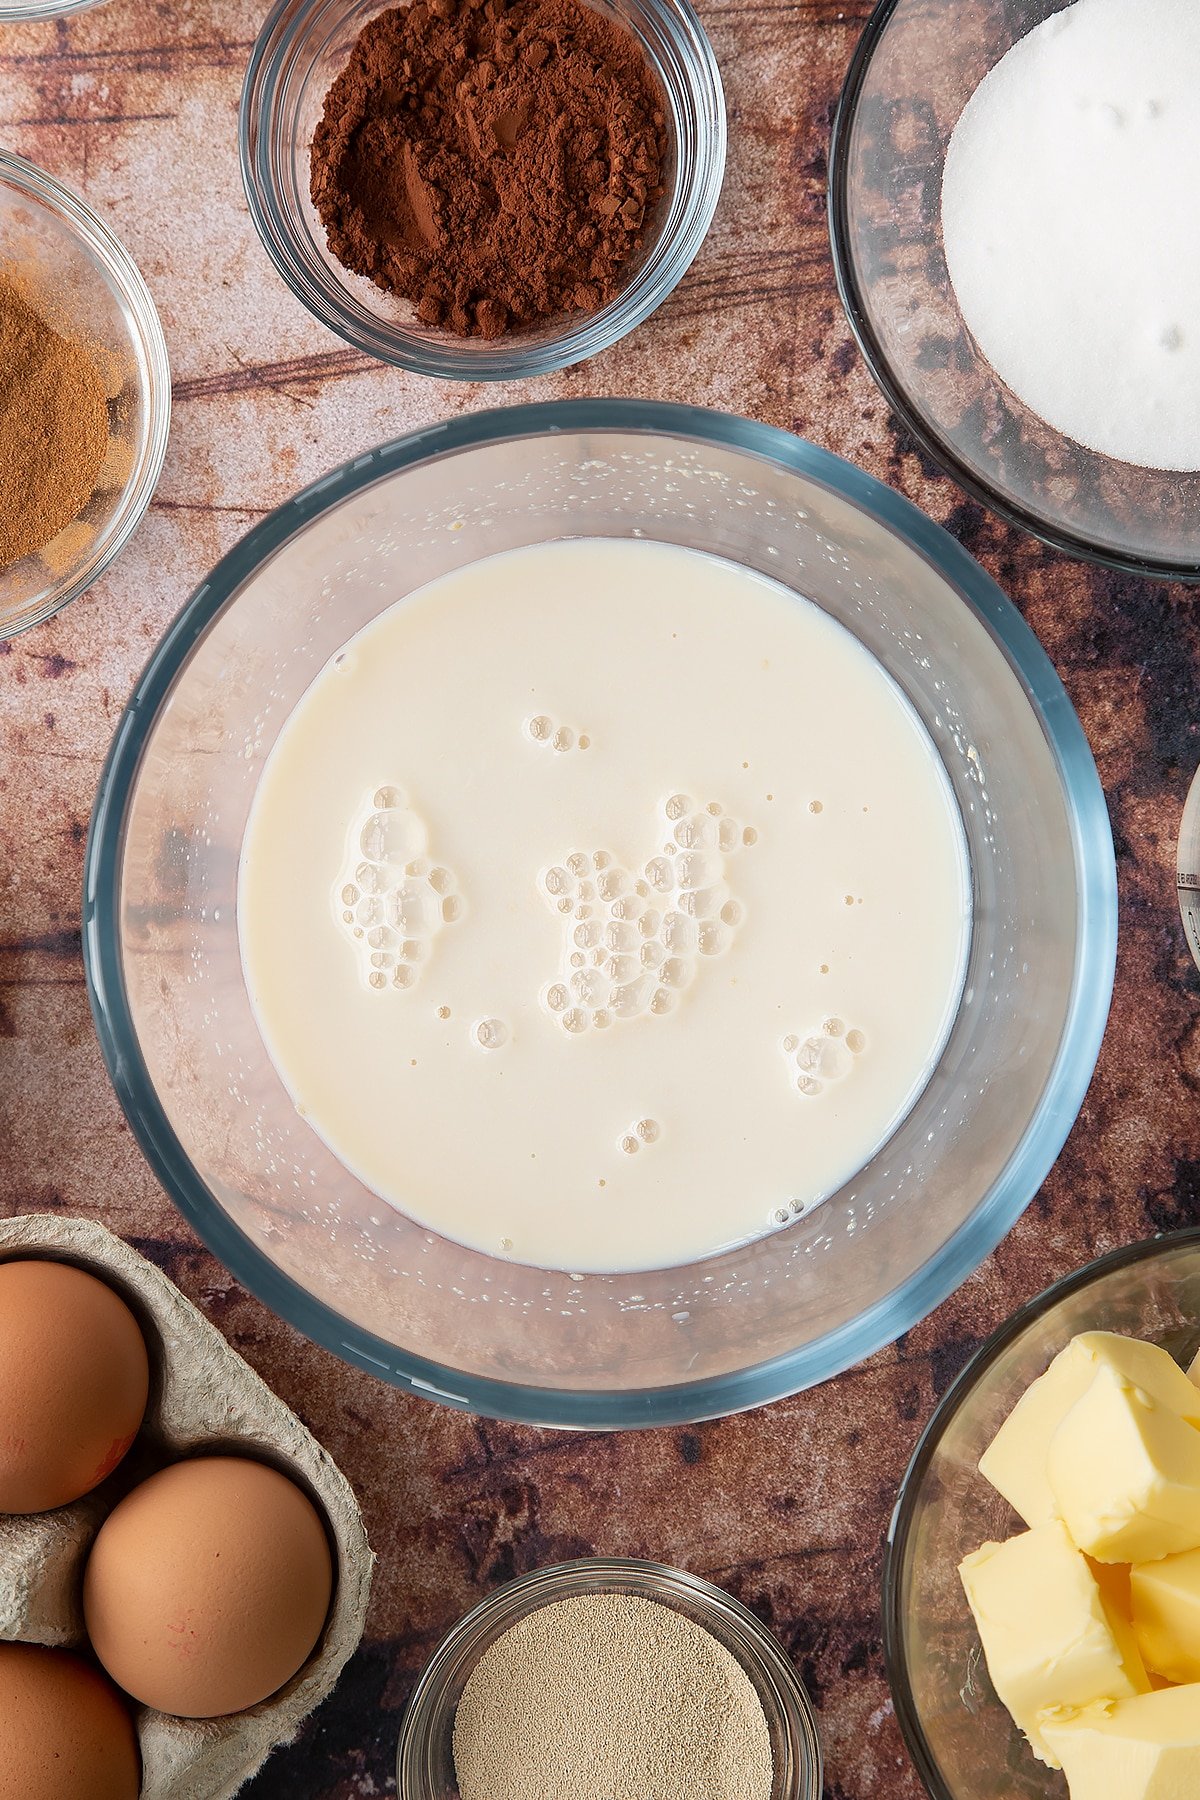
<point>386,172</point>
<point>1045,153</point>
<point>609,1679</point>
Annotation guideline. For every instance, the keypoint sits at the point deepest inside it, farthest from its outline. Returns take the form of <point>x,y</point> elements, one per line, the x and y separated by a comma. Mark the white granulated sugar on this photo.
<point>1071,218</point>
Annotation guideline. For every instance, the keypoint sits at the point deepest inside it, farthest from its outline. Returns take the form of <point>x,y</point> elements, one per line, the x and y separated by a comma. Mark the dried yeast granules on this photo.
<point>496,164</point>
<point>610,1697</point>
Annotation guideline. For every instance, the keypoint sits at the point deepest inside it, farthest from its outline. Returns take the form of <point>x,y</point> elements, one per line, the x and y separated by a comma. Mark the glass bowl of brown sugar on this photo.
<point>604,1675</point>
<point>451,205</point>
<point>85,396</point>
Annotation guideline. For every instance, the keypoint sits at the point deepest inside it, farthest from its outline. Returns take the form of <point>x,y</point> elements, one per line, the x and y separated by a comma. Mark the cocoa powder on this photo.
<point>495,164</point>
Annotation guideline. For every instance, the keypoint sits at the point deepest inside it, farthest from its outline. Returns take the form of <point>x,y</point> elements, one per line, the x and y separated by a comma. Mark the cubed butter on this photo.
<point>1165,1601</point>
<point>1117,1600</point>
<point>1015,1460</point>
<point>1146,1748</point>
<point>1045,1630</point>
<point>1125,1473</point>
<point>1114,1583</point>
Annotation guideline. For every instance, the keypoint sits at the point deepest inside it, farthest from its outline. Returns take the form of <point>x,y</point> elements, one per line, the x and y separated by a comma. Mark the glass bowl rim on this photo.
<point>1058,537</point>
<point>509,359</point>
<point>895,1656</point>
<point>949,1265</point>
<point>149,352</point>
<point>30,11</point>
<point>1187,857</point>
<point>594,1574</point>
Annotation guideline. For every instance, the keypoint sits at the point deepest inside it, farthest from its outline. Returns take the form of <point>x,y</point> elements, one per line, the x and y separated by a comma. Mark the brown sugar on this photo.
<point>495,164</point>
<point>53,428</point>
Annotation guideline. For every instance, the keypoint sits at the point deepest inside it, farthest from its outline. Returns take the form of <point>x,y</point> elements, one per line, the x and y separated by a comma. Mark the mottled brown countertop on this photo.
<point>135,104</point>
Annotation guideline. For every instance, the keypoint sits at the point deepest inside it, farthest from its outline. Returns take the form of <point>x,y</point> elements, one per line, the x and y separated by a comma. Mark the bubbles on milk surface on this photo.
<point>547,732</point>
<point>645,1131</point>
<point>391,900</point>
<point>823,1056</point>
<point>632,941</point>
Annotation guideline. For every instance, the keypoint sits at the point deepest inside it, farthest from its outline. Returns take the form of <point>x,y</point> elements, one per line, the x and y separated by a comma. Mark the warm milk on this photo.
<point>603,905</point>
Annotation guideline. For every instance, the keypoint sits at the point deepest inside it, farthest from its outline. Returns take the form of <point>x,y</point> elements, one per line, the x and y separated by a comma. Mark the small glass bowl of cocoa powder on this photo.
<point>656,1661</point>
<point>78,321</point>
<point>305,49</point>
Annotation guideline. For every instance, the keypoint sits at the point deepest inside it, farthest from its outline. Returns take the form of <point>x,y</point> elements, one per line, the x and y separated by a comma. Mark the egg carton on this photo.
<point>202,1396</point>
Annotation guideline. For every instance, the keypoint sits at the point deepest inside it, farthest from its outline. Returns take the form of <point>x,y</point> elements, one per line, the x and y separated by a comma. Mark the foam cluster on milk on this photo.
<point>632,942</point>
<point>392,899</point>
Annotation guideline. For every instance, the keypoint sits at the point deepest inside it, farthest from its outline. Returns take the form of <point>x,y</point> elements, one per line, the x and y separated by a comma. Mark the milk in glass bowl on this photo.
<point>600,913</point>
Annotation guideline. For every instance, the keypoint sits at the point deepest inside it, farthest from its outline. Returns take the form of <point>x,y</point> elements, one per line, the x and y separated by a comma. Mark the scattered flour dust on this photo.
<point>1072,229</point>
<point>610,1697</point>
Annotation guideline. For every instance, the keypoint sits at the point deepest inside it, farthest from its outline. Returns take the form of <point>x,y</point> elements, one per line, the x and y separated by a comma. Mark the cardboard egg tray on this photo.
<point>202,1396</point>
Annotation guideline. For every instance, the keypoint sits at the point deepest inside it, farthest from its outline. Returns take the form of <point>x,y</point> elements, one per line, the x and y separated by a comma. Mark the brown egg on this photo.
<point>208,1586</point>
<point>74,1378</point>
<point>65,1732</point>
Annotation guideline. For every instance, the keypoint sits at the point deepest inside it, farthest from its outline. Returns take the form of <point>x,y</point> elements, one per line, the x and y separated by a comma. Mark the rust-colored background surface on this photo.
<point>135,104</point>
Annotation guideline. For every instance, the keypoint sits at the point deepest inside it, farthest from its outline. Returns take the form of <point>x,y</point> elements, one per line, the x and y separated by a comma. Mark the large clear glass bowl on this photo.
<point>916,66</point>
<point>305,45</point>
<point>962,1740</point>
<point>161,941</point>
<point>87,285</point>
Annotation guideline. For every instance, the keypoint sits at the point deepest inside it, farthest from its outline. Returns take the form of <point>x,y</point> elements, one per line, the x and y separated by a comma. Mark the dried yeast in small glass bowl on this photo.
<point>426,1767</point>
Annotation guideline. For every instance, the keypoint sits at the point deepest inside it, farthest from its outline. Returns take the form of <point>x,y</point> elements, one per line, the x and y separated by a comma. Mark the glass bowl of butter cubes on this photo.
<point>1042,1589</point>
